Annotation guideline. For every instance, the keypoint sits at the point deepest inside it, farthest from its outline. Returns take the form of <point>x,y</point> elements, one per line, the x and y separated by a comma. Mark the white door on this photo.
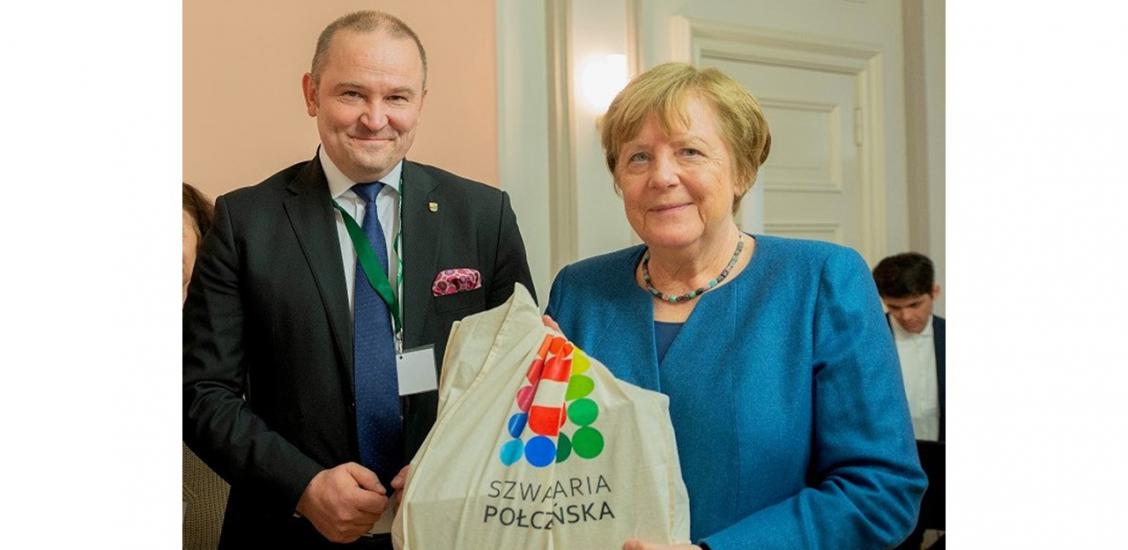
<point>811,180</point>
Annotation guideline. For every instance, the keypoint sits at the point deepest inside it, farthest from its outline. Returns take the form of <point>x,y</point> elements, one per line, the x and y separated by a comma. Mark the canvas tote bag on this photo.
<point>536,445</point>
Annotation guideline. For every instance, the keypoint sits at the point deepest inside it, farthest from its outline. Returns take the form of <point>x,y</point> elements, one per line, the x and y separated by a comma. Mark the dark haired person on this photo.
<point>204,493</point>
<point>197,211</point>
<point>293,327</point>
<point>907,285</point>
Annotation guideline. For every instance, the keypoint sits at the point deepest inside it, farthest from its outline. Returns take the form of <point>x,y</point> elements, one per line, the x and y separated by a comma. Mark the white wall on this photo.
<point>526,140</point>
<point>523,128</point>
<point>934,63</point>
<point>599,28</point>
<point>924,93</point>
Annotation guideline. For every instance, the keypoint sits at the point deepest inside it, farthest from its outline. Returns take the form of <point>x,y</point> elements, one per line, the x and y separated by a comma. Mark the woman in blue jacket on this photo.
<point>785,391</point>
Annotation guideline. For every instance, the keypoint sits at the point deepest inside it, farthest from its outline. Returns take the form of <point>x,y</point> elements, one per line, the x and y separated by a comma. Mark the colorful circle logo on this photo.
<point>557,391</point>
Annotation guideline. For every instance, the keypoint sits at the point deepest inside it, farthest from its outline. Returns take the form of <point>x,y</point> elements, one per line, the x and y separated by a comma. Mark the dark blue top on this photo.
<point>664,334</point>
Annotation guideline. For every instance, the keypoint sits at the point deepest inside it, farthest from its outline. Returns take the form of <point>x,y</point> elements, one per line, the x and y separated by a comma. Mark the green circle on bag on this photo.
<point>563,447</point>
<point>587,442</point>
<point>583,412</point>
<point>578,386</point>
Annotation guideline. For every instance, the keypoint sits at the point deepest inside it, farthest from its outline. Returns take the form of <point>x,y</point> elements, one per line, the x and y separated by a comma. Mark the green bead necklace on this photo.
<point>693,293</point>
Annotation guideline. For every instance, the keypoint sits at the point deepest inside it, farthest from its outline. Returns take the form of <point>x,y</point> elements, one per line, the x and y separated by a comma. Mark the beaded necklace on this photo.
<point>693,293</point>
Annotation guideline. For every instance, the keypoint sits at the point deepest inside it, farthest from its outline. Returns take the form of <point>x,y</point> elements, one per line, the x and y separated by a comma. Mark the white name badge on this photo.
<point>415,370</point>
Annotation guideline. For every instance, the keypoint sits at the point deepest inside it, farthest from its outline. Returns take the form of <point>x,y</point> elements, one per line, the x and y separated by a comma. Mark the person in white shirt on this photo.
<point>907,286</point>
<point>906,283</point>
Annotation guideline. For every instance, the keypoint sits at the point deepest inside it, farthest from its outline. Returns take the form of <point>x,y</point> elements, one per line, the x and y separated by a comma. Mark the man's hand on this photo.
<point>343,502</point>
<point>635,544</point>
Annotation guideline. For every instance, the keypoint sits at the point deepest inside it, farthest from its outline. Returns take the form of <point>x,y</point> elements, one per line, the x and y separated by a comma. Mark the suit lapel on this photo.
<point>315,226</point>
<point>421,232</point>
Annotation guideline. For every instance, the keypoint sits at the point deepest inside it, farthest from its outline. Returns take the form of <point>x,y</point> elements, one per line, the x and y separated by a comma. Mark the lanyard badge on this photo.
<point>415,368</point>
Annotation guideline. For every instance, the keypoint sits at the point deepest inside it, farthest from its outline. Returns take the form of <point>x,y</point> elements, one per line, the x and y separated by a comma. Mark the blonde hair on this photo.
<point>664,90</point>
<point>364,21</point>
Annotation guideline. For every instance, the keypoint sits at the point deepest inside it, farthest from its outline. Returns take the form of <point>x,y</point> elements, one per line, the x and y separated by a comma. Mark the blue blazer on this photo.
<point>785,394</point>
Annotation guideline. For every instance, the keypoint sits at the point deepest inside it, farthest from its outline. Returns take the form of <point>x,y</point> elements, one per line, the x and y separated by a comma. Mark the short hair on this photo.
<point>199,208</point>
<point>664,90</point>
<point>904,275</point>
<point>364,21</point>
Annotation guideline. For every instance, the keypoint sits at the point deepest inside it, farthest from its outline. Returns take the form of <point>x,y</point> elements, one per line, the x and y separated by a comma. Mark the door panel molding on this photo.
<point>831,232</point>
<point>807,178</point>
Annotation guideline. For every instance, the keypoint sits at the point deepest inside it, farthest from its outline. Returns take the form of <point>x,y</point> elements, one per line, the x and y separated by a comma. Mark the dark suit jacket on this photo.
<point>938,349</point>
<point>268,335</point>
<point>938,345</point>
<point>931,453</point>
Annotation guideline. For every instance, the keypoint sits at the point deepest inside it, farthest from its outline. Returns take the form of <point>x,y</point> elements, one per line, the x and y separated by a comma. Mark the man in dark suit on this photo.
<point>295,303</point>
<point>906,283</point>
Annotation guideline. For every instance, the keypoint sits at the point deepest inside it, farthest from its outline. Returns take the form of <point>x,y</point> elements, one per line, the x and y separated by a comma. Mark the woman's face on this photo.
<point>678,189</point>
<point>191,241</point>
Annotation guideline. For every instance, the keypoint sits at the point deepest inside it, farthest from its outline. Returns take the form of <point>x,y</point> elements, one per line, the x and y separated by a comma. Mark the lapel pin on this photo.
<point>433,206</point>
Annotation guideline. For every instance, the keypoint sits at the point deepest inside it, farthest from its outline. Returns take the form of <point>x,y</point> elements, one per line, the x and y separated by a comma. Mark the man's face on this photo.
<point>367,101</point>
<point>912,312</point>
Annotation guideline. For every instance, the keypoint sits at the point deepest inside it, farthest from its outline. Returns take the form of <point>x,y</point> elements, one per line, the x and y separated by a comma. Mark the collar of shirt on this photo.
<point>340,185</point>
<point>899,332</point>
<point>387,203</point>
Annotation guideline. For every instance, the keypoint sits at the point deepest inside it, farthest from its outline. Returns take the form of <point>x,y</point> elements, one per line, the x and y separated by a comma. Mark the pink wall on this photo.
<point>243,62</point>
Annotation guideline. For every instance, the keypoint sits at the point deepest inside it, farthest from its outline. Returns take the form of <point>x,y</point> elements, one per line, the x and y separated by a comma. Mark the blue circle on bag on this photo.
<point>540,451</point>
<point>517,424</point>
<point>511,452</point>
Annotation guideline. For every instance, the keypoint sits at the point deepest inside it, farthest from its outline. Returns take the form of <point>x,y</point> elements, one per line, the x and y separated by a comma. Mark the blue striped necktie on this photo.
<point>379,421</point>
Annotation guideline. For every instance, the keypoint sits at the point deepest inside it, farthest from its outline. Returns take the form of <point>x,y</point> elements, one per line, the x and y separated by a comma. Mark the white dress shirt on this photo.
<point>387,210</point>
<point>918,368</point>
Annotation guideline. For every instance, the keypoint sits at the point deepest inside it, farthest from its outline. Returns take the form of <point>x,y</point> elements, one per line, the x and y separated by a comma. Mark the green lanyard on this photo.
<point>367,257</point>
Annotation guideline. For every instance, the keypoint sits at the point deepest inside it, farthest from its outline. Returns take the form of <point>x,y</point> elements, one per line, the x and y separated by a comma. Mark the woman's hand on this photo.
<point>399,483</point>
<point>635,544</point>
<point>548,322</point>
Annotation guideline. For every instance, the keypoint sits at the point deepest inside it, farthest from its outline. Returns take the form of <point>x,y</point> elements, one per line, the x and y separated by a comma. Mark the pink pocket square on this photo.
<point>453,281</point>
